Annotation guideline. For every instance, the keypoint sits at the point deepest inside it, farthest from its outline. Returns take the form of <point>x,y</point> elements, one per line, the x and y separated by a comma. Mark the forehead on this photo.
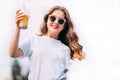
<point>58,13</point>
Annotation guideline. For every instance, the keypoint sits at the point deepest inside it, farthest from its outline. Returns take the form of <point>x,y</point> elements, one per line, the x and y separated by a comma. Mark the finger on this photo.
<point>20,15</point>
<point>18,19</point>
<point>17,11</point>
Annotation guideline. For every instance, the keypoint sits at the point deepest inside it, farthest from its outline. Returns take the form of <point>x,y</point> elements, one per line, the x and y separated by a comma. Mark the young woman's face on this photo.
<point>55,22</point>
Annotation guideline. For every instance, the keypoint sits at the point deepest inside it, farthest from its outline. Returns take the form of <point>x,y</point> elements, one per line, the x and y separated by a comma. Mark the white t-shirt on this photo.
<point>48,57</point>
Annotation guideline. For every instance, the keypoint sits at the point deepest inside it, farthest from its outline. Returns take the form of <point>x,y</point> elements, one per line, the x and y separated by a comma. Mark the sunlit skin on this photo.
<point>53,27</point>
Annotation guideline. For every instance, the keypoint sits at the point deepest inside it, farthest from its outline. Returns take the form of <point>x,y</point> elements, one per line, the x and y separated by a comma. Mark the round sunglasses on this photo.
<point>53,18</point>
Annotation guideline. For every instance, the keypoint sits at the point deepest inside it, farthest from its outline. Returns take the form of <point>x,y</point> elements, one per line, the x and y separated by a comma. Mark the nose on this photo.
<point>56,21</point>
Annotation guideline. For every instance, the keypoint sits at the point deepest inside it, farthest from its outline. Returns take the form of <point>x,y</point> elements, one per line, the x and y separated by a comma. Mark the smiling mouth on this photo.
<point>55,26</point>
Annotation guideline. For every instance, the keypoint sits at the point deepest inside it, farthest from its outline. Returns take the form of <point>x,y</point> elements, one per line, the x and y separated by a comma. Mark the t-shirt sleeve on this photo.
<point>67,59</point>
<point>25,47</point>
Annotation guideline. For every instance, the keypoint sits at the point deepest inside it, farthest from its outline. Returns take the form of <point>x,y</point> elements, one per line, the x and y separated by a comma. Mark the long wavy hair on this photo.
<point>67,36</point>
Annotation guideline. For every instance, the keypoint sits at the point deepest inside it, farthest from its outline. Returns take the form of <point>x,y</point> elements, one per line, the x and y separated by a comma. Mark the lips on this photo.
<point>55,26</point>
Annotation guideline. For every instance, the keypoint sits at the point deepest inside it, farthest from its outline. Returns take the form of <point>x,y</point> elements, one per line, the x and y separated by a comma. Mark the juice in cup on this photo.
<point>24,22</point>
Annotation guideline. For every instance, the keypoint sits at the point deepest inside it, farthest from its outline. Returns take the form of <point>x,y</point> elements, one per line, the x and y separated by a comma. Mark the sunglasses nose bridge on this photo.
<point>56,21</point>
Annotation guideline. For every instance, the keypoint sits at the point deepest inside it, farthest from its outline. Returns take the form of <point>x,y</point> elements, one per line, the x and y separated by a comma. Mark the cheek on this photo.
<point>61,28</point>
<point>48,23</point>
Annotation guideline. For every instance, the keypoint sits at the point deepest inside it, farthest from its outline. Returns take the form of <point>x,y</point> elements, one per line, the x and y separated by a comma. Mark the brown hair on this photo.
<point>67,36</point>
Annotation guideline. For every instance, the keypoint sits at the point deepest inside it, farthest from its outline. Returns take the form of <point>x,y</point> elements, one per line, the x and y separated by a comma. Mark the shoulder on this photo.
<point>65,47</point>
<point>31,38</point>
<point>34,37</point>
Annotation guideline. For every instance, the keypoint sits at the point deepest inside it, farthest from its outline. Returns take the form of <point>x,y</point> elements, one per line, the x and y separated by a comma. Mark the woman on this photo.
<point>51,50</point>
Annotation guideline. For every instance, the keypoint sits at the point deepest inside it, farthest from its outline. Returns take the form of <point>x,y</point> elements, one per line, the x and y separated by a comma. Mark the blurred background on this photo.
<point>97,22</point>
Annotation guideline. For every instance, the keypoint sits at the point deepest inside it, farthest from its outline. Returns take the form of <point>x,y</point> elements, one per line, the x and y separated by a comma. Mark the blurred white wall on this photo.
<point>96,22</point>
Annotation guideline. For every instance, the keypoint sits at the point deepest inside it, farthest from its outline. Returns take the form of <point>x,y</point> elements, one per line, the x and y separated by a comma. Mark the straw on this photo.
<point>24,6</point>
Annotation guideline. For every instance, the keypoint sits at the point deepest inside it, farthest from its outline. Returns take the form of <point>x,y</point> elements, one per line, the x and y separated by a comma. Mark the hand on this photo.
<point>66,70</point>
<point>19,16</point>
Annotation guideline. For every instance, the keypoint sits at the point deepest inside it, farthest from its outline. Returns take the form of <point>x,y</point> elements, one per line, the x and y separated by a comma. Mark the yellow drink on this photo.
<point>24,22</point>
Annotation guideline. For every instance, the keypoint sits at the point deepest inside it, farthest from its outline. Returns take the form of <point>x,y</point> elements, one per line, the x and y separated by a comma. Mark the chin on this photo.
<point>55,31</point>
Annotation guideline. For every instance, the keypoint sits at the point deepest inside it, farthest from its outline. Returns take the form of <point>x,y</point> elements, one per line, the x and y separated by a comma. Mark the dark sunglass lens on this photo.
<point>52,18</point>
<point>61,21</point>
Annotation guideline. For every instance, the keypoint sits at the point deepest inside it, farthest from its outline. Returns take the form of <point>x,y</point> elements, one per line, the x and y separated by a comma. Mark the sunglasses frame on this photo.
<point>57,19</point>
